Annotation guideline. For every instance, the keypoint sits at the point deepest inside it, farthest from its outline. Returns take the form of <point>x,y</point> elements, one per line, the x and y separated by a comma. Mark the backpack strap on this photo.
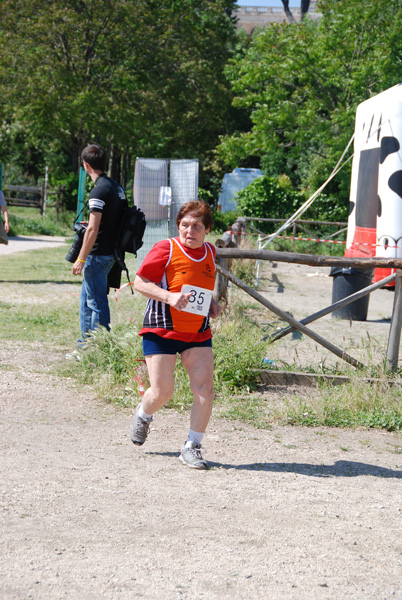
<point>119,257</point>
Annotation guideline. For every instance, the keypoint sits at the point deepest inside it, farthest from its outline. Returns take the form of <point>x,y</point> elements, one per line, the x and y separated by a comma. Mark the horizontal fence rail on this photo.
<point>313,260</point>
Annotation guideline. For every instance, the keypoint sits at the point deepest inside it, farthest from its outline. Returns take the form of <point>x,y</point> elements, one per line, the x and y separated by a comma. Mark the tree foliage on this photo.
<point>302,83</point>
<point>140,77</point>
<point>268,197</point>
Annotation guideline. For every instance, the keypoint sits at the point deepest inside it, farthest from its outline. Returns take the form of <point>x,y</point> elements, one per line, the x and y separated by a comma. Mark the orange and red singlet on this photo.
<point>171,265</point>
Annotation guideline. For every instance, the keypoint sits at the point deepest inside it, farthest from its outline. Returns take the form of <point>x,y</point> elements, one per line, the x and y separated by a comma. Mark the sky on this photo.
<point>292,3</point>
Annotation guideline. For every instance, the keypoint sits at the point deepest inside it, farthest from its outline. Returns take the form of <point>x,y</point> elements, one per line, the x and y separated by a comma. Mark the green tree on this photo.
<point>139,76</point>
<point>301,84</point>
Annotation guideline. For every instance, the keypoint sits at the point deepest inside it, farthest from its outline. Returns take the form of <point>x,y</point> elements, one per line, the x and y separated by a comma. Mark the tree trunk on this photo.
<point>288,12</point>
<point>114,167</point>
<point>305,5</point>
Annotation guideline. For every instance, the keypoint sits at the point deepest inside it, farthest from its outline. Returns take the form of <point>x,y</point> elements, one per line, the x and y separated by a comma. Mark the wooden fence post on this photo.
<point>221,283</point>
<point>42,200</point>
<point>314,260</point>
<point>396,325</point>
<point>236,232</point>
<point>57,204</point>
<point>242,222</point>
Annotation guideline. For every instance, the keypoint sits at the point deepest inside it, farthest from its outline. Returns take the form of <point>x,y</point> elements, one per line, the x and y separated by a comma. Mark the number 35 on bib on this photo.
<point>199,301</point>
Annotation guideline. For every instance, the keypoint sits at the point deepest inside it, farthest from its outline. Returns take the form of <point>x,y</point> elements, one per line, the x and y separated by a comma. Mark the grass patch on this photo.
<point>40,297</point>
<point>29,221</point>
<point>111,364</point>
<point>356,404</point>
<point>39,300</point>
<point>37,266</point>
<point>245,408</point>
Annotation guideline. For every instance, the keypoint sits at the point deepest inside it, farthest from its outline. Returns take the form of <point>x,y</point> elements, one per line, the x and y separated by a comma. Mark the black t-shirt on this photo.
<point>108,198</point>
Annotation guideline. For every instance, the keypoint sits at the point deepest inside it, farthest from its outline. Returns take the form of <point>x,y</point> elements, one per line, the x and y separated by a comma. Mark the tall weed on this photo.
<point>112,362</point>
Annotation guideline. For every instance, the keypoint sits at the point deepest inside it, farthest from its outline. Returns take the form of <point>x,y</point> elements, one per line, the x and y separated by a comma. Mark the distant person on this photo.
<point>5,212</point>
<point>178,277</point>
<point>95,258</point>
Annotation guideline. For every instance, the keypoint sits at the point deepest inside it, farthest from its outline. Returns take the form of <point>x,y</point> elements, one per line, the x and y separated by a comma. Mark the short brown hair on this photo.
<point>95,156</point>
<point>200,209</point>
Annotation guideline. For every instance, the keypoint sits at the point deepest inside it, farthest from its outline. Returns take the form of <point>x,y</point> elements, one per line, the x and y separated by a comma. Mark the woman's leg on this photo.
<point>161,376</point>
<point>199,364</point>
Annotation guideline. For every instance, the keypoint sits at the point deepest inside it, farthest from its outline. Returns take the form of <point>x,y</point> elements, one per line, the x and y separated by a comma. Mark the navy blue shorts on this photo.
<point>155,344</point>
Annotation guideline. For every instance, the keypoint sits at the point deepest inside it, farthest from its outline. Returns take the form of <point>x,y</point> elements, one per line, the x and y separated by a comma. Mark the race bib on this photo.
<point>199,301</point>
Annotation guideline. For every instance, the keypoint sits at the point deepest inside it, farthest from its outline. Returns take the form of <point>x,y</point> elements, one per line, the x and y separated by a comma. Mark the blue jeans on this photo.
<point>94,304</point>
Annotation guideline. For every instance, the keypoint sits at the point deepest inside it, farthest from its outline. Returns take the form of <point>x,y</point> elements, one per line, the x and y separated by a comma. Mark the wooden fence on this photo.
<point>228,250</point>
<point>36,197</point>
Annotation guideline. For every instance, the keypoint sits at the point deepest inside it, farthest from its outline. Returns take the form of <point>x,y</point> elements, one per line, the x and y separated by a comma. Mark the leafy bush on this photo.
<point>206,196</point>
<point>223,221</point>
<point>274,198</point>
<point>38,225</point>
<point>267,197</point>
<point>111,363</point>
<point>70,183</point>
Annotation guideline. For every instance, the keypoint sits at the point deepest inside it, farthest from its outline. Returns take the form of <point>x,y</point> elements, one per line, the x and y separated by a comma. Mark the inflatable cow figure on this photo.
<point>375,214</point>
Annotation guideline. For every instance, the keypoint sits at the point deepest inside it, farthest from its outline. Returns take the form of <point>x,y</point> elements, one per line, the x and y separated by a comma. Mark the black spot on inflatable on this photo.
<point>351,207</point>
<point>395,183</point>
<point>367,186</point>
<point>389,145</point>
<point>379,207</point>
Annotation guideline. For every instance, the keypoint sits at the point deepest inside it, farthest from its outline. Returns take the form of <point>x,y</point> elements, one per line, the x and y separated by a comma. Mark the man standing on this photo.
<point>96,259</point>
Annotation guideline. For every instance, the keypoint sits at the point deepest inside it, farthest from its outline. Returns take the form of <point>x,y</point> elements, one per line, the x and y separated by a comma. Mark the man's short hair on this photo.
<point>95,156</point>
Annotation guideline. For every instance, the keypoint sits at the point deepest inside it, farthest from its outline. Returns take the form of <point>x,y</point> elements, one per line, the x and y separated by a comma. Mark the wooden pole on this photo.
<point>241,222</point>
<point>396,325</point>
<point>296,324</point>
<point>58,194</point>
<point>313,260</point>
<point>42,197</point>
<point>225,241</point>
<point>236,232</point>
<point>221,283</point>
<point>325,311</point>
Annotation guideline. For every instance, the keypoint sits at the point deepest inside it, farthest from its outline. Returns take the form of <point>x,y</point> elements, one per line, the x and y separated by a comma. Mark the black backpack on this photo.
<point>129,238</point>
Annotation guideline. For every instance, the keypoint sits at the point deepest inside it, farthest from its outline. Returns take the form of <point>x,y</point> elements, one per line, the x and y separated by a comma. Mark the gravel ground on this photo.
<point>287,513</point>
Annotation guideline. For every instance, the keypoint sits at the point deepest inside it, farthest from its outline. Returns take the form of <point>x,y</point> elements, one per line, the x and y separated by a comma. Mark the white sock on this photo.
<point>194,436</point>
<point>143,415</point>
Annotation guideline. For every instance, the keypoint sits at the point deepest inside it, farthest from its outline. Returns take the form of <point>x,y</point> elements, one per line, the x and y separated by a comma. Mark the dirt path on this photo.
<point>21,243</point>
<point>291,513</point>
